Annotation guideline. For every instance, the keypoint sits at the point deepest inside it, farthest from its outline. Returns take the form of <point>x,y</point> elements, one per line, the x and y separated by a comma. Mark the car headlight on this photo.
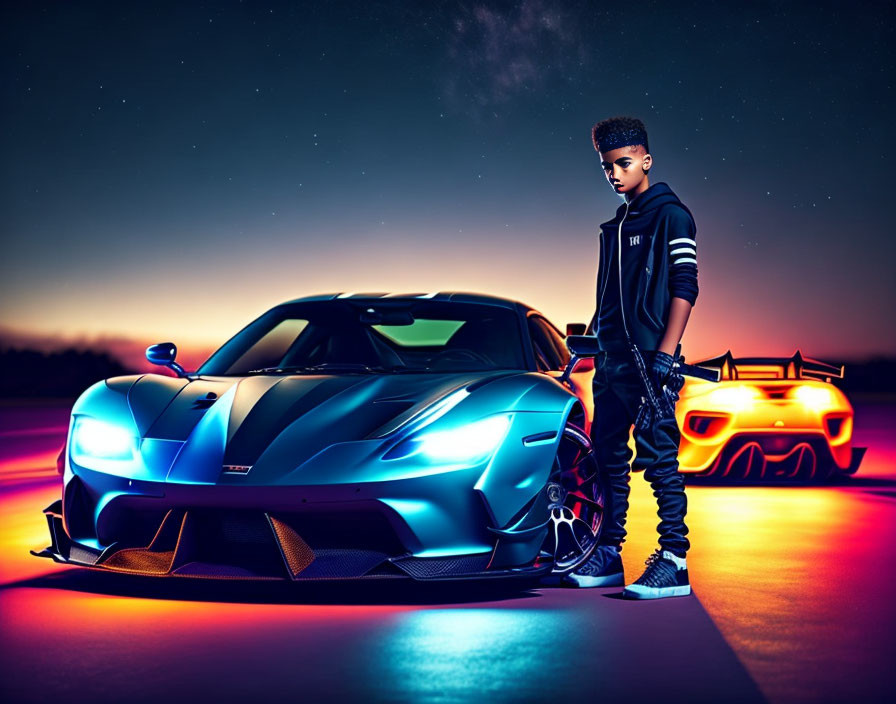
<point>734,397</point>
<point>813,396</point>
<point>96,442</point>
<point>468,444</point>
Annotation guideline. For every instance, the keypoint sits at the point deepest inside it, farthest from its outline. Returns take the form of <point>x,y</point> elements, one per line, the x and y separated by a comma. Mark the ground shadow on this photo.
<point>616,595</point>
<point>381,591</point>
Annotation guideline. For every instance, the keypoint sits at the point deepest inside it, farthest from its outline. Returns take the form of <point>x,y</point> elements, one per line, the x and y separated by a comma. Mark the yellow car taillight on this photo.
<point>705,425</point>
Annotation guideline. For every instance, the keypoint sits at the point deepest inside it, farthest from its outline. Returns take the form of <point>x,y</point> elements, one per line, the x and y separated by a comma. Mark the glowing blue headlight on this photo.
<point>98,442</point>
<point>468,444</point>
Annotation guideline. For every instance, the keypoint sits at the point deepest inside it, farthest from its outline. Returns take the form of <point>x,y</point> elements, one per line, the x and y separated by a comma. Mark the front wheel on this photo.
<point>575,502</point>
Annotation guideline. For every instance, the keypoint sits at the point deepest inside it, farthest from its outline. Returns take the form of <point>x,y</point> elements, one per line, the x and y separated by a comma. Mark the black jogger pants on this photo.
<point>617,396</point>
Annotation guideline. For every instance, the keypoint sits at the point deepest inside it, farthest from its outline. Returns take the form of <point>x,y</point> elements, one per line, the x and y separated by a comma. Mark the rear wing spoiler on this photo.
<point>795,367</point>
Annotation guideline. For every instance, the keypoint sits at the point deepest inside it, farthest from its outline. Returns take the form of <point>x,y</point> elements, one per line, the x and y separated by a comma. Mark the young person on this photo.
<point>646,286</point>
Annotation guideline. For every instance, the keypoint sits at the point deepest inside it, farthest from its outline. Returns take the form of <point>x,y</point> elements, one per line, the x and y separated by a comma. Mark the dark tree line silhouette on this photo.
<point>64,374</point>
<point>26,373</point>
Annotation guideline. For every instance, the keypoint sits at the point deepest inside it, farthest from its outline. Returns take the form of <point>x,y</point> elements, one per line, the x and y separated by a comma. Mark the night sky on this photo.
<point>172,170</point>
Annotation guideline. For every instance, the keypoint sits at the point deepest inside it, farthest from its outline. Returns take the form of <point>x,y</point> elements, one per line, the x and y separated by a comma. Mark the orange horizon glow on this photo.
<point>208,299</point>
<point>201,329</point>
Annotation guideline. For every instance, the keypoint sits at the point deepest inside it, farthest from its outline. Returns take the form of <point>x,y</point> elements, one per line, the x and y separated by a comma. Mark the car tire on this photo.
<point>575,503</point>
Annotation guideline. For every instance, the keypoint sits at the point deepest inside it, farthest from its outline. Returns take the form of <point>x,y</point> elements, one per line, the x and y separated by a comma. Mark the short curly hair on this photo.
<point>616,132</point>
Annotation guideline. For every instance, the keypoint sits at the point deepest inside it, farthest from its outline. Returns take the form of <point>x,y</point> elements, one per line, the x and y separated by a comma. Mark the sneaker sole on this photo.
<point>585,582</point>
<point>636,591</point>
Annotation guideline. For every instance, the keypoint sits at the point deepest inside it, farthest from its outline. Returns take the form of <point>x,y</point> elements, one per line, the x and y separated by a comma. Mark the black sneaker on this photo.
<point>666,575</point>
<point>603,569</point>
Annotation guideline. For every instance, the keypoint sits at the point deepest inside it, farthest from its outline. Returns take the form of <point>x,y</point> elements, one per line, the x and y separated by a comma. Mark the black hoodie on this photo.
<point>659,262</point>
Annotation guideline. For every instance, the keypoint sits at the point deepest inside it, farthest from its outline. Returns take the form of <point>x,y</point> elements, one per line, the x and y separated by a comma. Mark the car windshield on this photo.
<point>381,336</point>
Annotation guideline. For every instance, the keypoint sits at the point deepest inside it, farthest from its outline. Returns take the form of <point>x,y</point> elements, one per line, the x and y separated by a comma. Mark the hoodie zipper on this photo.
<point>619,260</point>
<point>603,290</point>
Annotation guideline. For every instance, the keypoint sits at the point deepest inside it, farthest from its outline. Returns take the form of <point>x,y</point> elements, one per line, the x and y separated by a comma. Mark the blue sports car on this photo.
<point>424,436</point>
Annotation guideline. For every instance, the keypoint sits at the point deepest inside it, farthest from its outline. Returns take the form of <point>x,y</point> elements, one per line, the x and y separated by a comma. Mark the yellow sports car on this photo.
<point>768,418</point>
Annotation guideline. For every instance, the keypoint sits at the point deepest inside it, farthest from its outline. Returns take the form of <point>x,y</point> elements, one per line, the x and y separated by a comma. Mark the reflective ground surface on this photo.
<point>793,593</point>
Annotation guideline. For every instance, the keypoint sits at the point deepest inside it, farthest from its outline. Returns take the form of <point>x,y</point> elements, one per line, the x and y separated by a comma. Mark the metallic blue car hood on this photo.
<point>250,413</point>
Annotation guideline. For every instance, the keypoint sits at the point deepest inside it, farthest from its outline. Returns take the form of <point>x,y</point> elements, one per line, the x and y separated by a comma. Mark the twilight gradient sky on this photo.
<point>171,170</point>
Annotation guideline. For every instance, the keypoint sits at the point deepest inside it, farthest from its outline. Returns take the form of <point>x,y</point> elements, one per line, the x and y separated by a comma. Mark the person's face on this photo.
<point>625,168</point>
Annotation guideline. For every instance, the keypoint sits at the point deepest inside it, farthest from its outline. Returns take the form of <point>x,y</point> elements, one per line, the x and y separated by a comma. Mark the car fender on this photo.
<point>521,466</point>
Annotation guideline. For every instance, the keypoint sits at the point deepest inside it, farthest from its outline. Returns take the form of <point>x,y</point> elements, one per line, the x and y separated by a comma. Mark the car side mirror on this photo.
<point>163,354</point>
<point>583,345</point>
<point>576,329</point>
<point>583,349</point>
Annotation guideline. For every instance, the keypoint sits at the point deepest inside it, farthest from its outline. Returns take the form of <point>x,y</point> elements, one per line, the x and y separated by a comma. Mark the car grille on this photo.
<point>245,544</point>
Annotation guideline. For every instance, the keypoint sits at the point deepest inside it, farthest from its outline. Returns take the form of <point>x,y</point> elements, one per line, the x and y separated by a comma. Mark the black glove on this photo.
<point>674,381</point>
<point>667,382</point>
<point>666,374</point>
<point>660,369</point>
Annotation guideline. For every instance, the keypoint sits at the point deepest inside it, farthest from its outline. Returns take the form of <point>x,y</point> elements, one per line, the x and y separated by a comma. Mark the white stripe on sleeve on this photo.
<point>679,240</point>
<point>688,250</point>
<point>684,260</point>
